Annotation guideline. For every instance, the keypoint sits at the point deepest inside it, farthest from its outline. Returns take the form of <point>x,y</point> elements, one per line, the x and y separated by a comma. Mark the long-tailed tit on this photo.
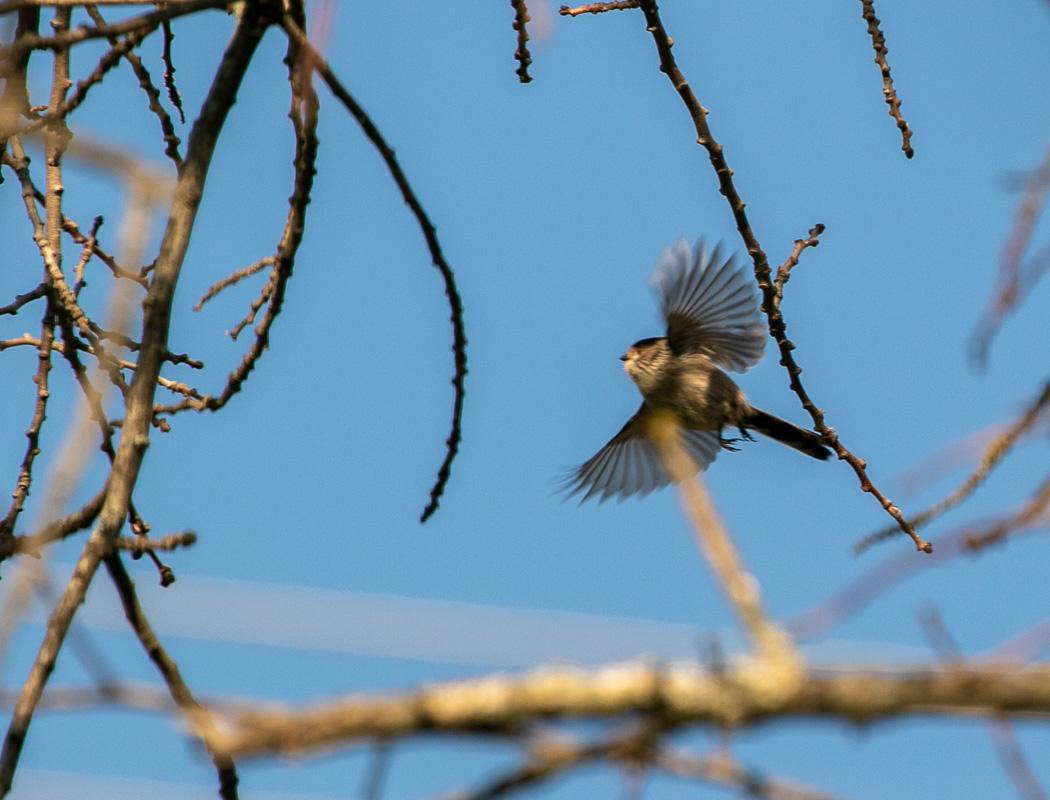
<point>713,320</point>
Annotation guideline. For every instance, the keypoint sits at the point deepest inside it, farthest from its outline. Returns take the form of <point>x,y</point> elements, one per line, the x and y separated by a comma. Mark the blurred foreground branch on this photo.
<point>677,694</point>
<point>774,646</point>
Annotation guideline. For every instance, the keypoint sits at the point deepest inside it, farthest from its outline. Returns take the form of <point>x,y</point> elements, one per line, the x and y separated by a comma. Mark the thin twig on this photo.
<point>1011,292</point>
<point>1015,765</point>
<point>784,271</point>
<point>171,140</point>
<point>48,240</point>
<point>118,271</point>
<point>599,8</point>
<point>253,309</point>
<point>459,338</point>
<point>724,771</point>
<point>21,299</point>
<point>169,71</point>
<point>60,347</point>
<point>60,529</point>
<point>377,771</point>
<point>167,667</point>
<point>304,122</point>
<point>156,320</point>
<point>1021,648</point>
<point>821,618</point>
<point>66,39</point>
<point>230,280</point>
<point>119,48</point>
<point>993,454</point>
<point>521,19</point>
<point>131,344</point>
<point>878,42</point>
<point>549,760</point>
<point>25,472</point>
<point>7,6</point>
<point>85,256</point>
<point>140,545</point>
<point>1031,513</point>
<point>777,327</point>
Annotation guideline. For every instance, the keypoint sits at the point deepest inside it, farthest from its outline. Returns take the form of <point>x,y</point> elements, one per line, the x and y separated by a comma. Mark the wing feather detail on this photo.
<point>630,465</point>
<point>710,306</point>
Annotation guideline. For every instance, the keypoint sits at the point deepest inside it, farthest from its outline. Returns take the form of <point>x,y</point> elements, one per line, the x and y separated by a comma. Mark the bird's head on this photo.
<point>644,362</point>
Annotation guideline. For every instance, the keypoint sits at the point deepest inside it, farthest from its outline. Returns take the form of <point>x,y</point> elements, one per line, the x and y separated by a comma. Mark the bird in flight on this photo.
<point>713,323</point>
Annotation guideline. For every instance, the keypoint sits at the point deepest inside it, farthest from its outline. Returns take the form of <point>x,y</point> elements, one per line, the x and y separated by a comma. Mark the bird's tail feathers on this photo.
<point>784,432</point>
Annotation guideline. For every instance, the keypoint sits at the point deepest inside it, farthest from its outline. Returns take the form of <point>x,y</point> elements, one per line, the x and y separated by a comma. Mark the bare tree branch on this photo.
<point>459,338</point>
<point>777,327</point>
<point>740,587</point>
<point>62,41</point>
<point>878,42</point>
<point>993,454</point>
<point>521,20</point>
<point>678,694</point>
<point>167,667</point>
<point>599,8</point>
<point>156,319</point>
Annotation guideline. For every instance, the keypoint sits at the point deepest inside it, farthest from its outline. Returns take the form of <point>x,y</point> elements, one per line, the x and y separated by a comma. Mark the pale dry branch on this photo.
<point>676,694</point>
<point>773,645</point>
<point>48,239</point>
<point>598,8</point>
<point>119,363</point>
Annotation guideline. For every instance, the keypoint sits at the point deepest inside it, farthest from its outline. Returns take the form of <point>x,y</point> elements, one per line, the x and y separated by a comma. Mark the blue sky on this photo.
<point>552,201</point>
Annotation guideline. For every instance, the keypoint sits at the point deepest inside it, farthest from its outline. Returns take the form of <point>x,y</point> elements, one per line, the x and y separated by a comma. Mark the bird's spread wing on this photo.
<point>629,464</point>
<point>710,306</point>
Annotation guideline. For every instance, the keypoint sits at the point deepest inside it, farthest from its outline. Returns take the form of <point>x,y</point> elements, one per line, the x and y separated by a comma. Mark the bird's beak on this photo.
<point>623,357</point>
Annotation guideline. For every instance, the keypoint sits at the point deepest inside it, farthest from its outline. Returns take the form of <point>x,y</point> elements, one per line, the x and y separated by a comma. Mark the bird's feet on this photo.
<point>728,444</point>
